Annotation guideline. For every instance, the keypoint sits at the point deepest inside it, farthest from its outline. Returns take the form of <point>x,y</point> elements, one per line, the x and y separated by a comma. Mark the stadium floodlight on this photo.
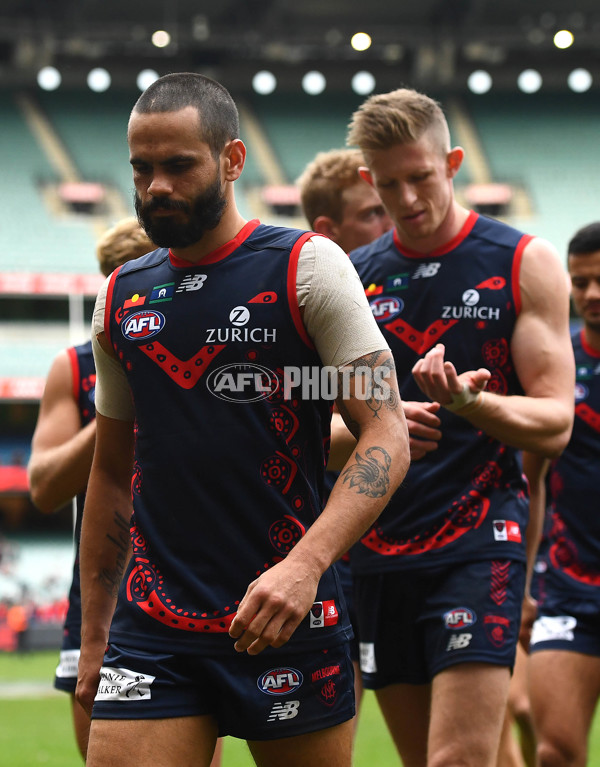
<point>363,83</point>
<point>529,81</point>
<point>49,78</point>
<point>314,83</point>
<point>98,80</point>
<point>563,39</point>
<point>479,81</point>
<point>264,82</point>
<point>161,38</point>
<point>580,80</point>
<point>361,41</point>
<point>145,78</point>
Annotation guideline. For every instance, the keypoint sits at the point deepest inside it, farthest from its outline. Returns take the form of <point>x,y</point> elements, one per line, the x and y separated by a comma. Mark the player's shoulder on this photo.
<point>498,233</point>
<point>149,261</point>
<point>365,253</point>
<point>277,237</point>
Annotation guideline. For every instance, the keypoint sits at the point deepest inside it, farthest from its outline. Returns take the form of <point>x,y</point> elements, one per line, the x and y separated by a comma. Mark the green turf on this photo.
<point>36,730</point>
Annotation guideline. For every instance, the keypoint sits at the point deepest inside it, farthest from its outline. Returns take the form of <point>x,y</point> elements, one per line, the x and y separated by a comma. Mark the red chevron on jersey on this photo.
<point>499,581</point>
<point>418,341</point>
<point>185,373</point>
<point>587,414</point>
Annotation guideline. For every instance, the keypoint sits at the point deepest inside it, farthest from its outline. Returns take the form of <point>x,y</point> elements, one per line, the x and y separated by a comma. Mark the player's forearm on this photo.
<point>366,483</point>
<point>59,473</point>
<point>540,425</point>
<point>104,554</point>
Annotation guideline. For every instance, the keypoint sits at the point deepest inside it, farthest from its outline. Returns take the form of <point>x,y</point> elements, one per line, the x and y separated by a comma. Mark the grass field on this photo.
<point>35,722</point>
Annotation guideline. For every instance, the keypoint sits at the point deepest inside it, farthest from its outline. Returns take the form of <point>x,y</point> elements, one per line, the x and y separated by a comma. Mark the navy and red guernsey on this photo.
<point>228,473</point>
<point>467,499</point>
<point>573,541</point>
<point>83,373</point>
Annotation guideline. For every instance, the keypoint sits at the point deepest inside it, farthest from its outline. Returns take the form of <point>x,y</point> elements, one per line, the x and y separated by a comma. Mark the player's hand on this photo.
<point>439,380</point>
<point>528,616</point>
<point>273,606</point>
<point>88,676</point>
<point>423,430</point>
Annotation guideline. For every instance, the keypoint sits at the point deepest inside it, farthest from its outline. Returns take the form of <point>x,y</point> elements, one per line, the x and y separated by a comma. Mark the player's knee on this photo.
<point>557,752</point>
<point>520,708</point>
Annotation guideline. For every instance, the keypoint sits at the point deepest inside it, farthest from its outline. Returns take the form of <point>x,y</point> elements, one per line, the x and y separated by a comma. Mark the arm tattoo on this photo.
<point>111,578</point>
<point>370,474</point>
<point>368,375</point>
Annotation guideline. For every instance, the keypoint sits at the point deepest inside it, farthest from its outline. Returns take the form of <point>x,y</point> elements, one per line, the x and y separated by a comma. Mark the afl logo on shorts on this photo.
<point>459,618</point>
<point>280,681</point>
<point>386,307</point>
<point>142,325</point>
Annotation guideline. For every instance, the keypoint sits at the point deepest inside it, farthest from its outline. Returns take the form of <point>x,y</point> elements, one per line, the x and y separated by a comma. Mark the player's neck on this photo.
<point>592,338</point>
<point>229,226</point>
<point>449,228</point>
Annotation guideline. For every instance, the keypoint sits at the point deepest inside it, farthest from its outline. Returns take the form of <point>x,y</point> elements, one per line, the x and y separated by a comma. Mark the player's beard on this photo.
<point>202,215</point>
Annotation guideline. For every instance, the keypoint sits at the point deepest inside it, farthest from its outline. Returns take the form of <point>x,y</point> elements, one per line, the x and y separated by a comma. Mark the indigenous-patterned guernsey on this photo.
<point>228,473</point>
<point>573,552</point>
<point>466,500</point>
<point>84,384</point>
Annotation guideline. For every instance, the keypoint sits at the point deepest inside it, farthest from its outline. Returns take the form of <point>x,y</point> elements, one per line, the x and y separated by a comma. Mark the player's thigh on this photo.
<point>331,747</point>
<point>187,741</point>
<point>468,705</point>
<point>564,689</point>
<point>405,708</point>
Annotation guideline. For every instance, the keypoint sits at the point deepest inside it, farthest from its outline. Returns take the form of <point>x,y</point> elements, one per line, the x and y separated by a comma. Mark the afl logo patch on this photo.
<point>142,325</point>
<point>459,618</point>
<point>386,307</point>
<point>581,391</point>
<point>280,681</point>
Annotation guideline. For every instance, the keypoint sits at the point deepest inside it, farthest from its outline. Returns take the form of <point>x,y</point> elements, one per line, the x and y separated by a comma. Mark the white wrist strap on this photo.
<point>465,402</point>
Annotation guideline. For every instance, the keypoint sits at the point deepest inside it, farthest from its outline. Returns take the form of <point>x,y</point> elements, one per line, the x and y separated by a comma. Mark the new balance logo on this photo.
<point>282,711</point>
<point>459,642</point>
<point>426,270</point>
<point>192,282</point>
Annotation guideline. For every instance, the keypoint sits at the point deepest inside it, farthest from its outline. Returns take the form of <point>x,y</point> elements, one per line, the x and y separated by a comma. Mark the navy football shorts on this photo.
<point>347,584</point>
<point>68,663</point>
<point>414,624</point>
<point>568,619</point>
<point>275,694</point>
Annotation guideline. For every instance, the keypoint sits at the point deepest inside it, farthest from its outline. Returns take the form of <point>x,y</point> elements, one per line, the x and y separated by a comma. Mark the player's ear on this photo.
<point>325,225</point>
<point>365,174</point>
<point>233,157</point>
<point>454,160</point>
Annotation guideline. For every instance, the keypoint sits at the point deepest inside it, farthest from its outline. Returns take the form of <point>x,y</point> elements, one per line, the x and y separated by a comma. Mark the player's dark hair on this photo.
<point>219,119</point>
<point>585,240</point>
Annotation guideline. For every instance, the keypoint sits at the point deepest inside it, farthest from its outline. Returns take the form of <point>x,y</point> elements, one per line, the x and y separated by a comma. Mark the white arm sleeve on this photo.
<point>337,315</point>
<point>113,395</point>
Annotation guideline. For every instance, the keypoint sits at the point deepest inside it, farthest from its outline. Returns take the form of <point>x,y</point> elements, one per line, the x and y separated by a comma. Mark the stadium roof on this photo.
<point>428,42</point>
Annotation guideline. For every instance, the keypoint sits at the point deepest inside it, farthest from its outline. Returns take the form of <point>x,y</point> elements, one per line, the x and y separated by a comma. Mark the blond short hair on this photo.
<point>125,241</point>
<point>399,117</point>
<point>325,178</point>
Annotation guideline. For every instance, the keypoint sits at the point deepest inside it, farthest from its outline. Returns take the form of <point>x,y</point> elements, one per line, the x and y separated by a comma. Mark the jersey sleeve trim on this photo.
<point>108,306</point>
<point>75,375</point>
<point>516,270</point>
<point>292,289</point>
